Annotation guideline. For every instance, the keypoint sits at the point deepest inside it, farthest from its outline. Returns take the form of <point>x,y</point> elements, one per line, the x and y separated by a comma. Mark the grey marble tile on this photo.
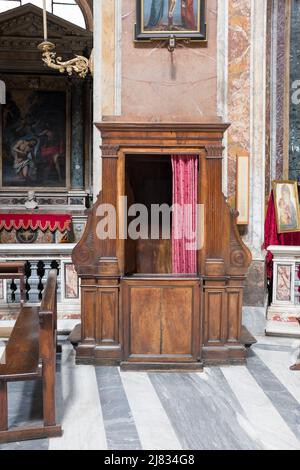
<point>286,405</point>
<point>254,319</point>
<point>25,408</point>
<point>121,432</point>
<point>203,411</point>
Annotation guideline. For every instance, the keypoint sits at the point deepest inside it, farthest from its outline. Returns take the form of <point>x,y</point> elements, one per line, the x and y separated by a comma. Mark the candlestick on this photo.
<point>45,21</point>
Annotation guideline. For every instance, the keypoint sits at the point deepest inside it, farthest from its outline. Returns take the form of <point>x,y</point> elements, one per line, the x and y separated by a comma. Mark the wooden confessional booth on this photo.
<point>135,312</point>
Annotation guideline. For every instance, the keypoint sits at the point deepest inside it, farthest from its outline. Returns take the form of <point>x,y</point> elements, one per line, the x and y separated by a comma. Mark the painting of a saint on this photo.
<point>171,15</point>
<point>71,282</point>
<point>34,139</point>
<point>287,206</point>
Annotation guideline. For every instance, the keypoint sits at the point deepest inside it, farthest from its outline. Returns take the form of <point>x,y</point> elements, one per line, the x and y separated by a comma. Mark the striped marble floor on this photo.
<point>244,407</point>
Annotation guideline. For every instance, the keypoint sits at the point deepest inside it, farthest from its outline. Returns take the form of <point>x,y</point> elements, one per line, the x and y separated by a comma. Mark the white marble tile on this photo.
<point>82,419</point>
<point>264,421</point>
<point>279,363</point>
<point>277,341</point>
<point>153,425</point>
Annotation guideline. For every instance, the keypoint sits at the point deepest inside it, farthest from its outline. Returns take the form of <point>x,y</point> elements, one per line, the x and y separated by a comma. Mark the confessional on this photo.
<point>135,311</point>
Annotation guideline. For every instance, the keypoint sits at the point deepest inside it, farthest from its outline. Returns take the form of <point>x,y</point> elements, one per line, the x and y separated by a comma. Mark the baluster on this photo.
<point>27,276</point>
<point>40,272</point>
<point>13,288</point>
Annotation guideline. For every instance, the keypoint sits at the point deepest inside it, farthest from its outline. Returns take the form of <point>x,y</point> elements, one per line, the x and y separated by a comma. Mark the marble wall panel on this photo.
<point>239,52</point>
<point>158,85</point>
<point>294,152</point>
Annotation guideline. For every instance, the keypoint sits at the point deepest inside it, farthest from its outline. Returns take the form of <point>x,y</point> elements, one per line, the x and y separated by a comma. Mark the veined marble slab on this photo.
<point>82,419</point>
<point>203,411</point>
<point>266,423</point>
<point>276,390</point>
<point>153,425</point>
<point>121,432</point>
<point>279,363</point>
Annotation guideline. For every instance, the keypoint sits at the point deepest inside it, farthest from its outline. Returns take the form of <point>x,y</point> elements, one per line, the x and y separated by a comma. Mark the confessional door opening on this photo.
<point>148,182</point>
<point>161,309</point>
<point>162,195</point>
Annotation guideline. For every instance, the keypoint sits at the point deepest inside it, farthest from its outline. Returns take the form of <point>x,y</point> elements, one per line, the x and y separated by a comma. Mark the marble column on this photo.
<point>97,163</point>
<point>294,112</point>
<point>77,167</point>
<point>279,89</point>
<point>222,71</point>
<point>255,291</point>
<point>107,73</point>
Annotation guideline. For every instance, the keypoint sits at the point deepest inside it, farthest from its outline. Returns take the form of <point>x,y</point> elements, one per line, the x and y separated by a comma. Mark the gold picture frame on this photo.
<point>287,209</point>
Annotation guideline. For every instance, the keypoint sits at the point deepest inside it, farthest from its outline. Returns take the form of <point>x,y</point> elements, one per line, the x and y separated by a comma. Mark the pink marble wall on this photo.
<point>157,85</point>
<point>239,50</point>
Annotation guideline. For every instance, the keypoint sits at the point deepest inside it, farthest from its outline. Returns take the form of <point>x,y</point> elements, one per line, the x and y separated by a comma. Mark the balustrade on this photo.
<point>39,260</point>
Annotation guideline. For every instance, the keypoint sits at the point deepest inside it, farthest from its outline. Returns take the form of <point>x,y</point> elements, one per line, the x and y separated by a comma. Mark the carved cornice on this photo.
<point>214,152</point>
<point>110,151</point>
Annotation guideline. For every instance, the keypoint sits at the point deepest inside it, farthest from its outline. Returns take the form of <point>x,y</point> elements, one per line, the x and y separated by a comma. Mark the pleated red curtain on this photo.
<point>184,228</point>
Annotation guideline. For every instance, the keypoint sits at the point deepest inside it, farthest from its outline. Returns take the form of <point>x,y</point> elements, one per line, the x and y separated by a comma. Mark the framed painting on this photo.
<point>160,19</point>
<point>35,140</point>
<point>71,282</point>
<point>286,200</point>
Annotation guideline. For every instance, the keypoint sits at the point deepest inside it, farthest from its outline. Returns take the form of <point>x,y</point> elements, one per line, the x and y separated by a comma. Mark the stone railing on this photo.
<point>39,259</point>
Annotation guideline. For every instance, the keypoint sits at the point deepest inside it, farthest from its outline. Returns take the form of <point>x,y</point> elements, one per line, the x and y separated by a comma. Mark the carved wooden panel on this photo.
<point>214,316</point>
<point>107,326</point>
<point>161,320</point>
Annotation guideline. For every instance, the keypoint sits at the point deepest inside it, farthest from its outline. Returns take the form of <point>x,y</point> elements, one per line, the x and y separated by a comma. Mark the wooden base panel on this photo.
<point>162,367</point>
<point>217,356</point>
<point>27,434</point>
<point>92,354</point>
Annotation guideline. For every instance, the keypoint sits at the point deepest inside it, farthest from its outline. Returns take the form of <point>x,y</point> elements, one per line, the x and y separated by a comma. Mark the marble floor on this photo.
<point>242,407</point>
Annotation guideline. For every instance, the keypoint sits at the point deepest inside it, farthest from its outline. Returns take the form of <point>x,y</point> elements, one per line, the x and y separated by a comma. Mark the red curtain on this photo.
<point>274,238</point>
<point>185,192</point>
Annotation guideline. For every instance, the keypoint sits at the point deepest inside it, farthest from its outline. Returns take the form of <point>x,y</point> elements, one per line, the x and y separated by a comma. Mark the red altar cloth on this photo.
<point>274,238</point>
<point>44,222</point>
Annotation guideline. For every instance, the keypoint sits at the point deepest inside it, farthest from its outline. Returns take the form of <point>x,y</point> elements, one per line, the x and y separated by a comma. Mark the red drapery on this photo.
<point>274,238</point>
<point>44,222</point>
<point>185,176</point>
<point>188,14</point>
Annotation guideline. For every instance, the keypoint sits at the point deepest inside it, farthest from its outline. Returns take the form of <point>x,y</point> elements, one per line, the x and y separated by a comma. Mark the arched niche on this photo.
<point>86,7</point>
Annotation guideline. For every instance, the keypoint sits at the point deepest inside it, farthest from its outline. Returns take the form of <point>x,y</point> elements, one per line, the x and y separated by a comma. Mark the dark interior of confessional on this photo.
<point>148,181</point>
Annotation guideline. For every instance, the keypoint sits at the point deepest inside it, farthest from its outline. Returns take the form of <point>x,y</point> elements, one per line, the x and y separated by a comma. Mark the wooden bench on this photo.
<point>30,355</point>
<point>297,365</point>
<point>14,270</point>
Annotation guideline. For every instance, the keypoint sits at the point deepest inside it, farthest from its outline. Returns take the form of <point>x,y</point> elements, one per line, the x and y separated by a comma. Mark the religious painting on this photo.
<point>160,19</point>
<point>34,150</point>
<point>71,282</point>
<point>284,279</point>
<point>286,206</point>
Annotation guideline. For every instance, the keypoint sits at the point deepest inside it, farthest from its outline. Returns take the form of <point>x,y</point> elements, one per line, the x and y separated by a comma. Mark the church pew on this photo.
<point>30,355</point>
